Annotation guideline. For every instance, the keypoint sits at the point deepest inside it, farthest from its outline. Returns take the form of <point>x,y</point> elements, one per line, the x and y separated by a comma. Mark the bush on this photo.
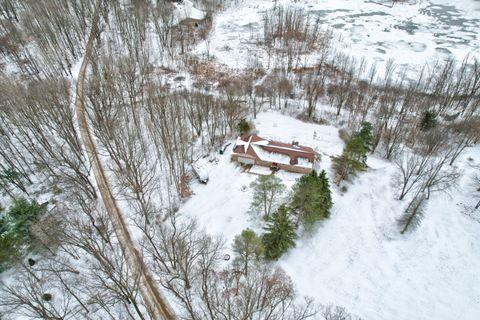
<point>312,198</point>
<point>244,127</point>
<point>47,296</point>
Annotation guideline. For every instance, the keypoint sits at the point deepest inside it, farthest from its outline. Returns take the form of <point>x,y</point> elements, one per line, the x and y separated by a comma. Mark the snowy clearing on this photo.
<point>357,258</point>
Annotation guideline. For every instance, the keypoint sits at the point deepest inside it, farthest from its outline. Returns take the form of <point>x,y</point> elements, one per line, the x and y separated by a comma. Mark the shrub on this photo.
<point>244,126</point>
<point>47,296</point>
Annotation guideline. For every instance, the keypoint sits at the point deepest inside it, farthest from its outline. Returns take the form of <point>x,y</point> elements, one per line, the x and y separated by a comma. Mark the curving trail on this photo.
<point>156,303</point>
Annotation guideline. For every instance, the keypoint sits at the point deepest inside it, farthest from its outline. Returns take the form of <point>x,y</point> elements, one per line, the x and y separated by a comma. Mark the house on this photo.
<point>252,149</point>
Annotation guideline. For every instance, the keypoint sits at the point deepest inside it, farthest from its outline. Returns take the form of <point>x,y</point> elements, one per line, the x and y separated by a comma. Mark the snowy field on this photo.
<point>415,33</point>
<point>357,258</point>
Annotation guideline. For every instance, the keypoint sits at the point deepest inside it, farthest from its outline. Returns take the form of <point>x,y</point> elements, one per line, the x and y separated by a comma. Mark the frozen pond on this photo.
<point>411,33</point>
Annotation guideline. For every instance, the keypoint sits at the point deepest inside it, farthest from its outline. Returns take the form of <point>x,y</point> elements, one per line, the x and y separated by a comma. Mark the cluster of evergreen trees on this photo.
<point>354,156</point>
<point>310,202</point>
<point>15,229</point>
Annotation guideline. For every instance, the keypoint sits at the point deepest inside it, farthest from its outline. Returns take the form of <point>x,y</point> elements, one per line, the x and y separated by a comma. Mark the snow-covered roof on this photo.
<point>275,152</point>
<point>271,156</point>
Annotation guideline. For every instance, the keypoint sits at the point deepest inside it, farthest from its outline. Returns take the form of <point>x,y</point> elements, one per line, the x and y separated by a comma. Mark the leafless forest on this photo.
<point>148,130</point>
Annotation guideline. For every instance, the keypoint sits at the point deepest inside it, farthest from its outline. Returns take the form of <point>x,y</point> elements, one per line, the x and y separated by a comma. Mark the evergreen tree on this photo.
<point>429,120</point>
<point>248,247</point>
<point>21,215</point>
<point>9,249</point>
<point>312,198</point>
<point>3,224</point>
<point>280,234</point>
<point>366,135</point>
<point>13,177</point>
<point>354,155</point>
<point>243,126</point>
<point>355,149</point>
<point>14,229</point>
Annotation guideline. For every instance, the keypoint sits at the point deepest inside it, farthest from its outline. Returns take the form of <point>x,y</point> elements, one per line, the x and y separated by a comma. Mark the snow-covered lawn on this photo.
<point>357,258</point>
<point>412,34</point>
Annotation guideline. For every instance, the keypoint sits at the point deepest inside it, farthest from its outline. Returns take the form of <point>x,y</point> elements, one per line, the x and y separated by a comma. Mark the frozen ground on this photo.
<point>357,258</point>
<point>411,34</point>
<point>186,10</point>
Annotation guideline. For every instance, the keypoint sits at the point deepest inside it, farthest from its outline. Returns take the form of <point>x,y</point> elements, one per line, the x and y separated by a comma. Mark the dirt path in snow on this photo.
<point>154,299</point>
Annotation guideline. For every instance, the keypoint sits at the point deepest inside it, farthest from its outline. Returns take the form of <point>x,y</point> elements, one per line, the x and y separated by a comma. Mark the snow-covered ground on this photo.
<point>357,258</point>
<point>414,33</point>
<point>186,10</point>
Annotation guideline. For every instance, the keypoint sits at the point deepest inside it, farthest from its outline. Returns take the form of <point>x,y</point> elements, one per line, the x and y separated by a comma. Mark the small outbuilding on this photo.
<point>254,150</point>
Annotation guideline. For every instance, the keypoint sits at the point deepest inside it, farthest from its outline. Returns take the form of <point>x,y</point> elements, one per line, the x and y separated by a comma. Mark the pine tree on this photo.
<point>355,149</point>
<point>354,156</point>
<point>21,215</point>
<point>280,234</point>
<point>14,229</point>
<point>312,198</point>
<point>248,247</point>
<point>429,120</point>
<point>366,134</point>
<point>243,127</point>
<point>361,143</point>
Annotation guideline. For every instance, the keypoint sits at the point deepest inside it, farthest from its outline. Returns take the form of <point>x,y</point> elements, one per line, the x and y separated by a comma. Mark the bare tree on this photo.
<point>31,295</point>
<point>410,165</point>
<point>189,265</point>
<point>423,169</point>
<point>331,312</point>
<point>38,127</point>
<point>464,133</point>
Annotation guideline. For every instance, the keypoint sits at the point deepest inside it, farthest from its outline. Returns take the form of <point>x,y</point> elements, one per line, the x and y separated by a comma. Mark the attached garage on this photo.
<point>245,160</point>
